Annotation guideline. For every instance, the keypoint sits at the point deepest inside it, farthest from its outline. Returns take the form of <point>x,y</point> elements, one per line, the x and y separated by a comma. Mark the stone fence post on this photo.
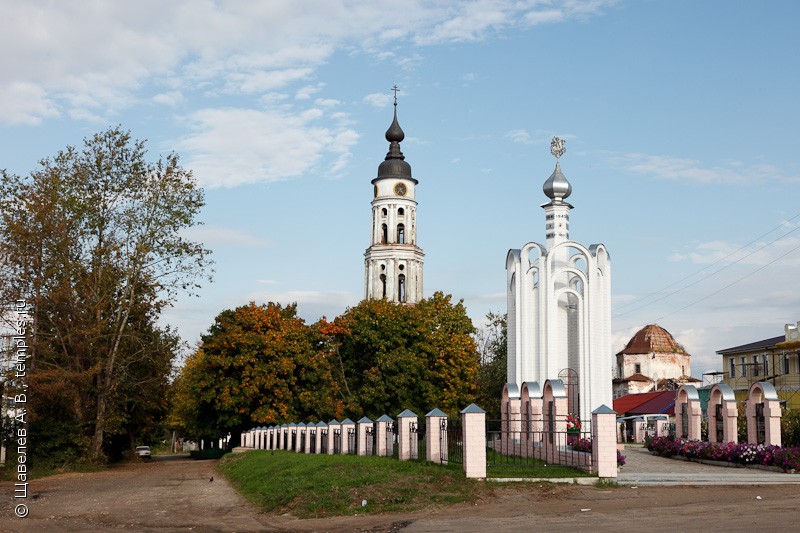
<point>604,441</point>
<point>383,448</point>
<point>363,425</point>
<point>347,426</point>
<point>433,433</point>
<point>333,428</point>
<point>473,424</point>
<point>404,421</point>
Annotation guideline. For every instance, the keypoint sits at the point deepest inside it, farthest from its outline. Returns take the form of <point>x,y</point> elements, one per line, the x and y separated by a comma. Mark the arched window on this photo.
<point>383,212</point>
<point>401,211</point>
<point>383,283</point>
<point>384,234</point>
<point>401,288</point>
<point>401,234</point>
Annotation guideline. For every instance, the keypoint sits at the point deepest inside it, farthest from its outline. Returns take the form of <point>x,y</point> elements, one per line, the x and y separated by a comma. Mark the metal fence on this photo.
<point>536,443</point>
<point>351,441</point>
<point>451,441</point>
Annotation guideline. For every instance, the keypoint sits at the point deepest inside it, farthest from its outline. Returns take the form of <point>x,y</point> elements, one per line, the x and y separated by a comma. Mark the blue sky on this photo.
<point>681,120</point>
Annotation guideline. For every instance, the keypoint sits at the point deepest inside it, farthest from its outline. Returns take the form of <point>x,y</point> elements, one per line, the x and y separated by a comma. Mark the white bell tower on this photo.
<point>393,261</point>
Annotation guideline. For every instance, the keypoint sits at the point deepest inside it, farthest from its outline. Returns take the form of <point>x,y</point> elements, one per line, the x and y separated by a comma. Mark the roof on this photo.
<point>754,346</point>
<point>628,402</point>
<point>652,339</point>
<point>663,404</point>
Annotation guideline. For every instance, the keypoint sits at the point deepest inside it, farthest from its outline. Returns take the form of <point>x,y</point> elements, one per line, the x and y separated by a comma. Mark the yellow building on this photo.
<point>775,360</point>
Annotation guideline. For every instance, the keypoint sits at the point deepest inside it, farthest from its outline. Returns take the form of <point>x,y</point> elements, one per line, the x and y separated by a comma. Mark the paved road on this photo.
<point>645,469</point>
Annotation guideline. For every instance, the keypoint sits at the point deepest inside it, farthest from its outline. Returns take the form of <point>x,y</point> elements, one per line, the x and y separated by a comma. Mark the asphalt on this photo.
<point>644,469</point>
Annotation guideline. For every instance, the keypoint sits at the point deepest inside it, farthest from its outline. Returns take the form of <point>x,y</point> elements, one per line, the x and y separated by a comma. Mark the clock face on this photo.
<point>400,189</point>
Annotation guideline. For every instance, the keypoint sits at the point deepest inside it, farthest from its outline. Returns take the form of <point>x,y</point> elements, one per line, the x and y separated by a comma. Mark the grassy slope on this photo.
<point>326,485</point>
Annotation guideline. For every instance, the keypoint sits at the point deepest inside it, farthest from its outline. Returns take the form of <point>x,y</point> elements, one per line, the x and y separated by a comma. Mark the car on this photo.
<point>143,452</point>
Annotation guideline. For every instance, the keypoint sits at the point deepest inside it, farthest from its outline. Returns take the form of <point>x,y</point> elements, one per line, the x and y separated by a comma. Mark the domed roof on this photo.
<point>394,165</point>
<point>653,339</point>
<point>557,187</point>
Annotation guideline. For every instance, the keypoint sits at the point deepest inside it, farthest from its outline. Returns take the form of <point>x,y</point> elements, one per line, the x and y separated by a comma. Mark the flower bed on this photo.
<point>731,452</point>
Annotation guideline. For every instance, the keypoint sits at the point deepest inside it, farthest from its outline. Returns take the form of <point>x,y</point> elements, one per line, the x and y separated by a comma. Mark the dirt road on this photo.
<point>178,495</point>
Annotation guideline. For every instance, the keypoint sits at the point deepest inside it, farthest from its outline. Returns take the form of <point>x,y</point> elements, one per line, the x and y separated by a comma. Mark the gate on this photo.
<point>312,434</point>
<point>684,420</point>
<point>337,441</point>
<point>719,422</point>
<point>761,428</point>
<point>451,441</point>
<point>351,441</point>
<point>323,441</point>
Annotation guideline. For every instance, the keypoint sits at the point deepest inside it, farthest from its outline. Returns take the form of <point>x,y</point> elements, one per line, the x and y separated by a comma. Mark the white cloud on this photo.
<point>379,99</point>
<point>690,170</point>
<point>170,98</point>
<point>95,60</point>
<point>229,147</point>
<point>25,103</point>
<point>520,136</point>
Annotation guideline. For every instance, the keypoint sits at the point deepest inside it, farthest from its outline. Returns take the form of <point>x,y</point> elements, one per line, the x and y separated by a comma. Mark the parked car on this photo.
<point>143,452</point>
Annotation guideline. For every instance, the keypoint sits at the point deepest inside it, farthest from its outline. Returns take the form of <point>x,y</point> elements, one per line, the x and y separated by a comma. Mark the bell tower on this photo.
<point>393,261</point>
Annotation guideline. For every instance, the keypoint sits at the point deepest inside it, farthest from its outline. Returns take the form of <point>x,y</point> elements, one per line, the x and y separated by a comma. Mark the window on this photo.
<point>401,288</point>
<point>756,369</point>
<point>384,212</point>
<point>638,368</point>
<point>384,234</point>
<point>619,371</point>
<point>785,364</point>
<point>383,283</point>
<point>401,211</point>
<point>765,358</point>
<point>732,365</point>
<point>743,361</point>
<point>401,234</point>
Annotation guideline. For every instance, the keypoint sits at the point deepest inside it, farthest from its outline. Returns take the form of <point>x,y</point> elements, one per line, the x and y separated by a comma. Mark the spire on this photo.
<point>557,188</point>
<point>394,165</point>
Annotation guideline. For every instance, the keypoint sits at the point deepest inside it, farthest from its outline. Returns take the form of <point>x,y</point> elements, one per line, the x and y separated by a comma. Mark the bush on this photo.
<point>790,427</point>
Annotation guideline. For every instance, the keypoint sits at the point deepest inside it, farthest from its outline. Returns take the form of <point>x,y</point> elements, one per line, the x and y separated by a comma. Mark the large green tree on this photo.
<point>394,357</point>
<point>92,241</point>
<point>258,364</point>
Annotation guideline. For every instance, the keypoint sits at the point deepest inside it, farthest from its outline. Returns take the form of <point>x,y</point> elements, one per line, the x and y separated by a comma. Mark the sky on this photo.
<point>680,119</point>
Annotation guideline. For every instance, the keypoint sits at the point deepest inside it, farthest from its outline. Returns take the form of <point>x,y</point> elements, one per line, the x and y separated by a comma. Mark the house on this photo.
<point>775,360</point>
<point>647,407</point>
<point>651,361</point>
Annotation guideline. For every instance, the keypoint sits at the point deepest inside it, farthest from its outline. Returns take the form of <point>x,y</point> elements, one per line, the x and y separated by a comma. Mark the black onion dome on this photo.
<point>394,165</point>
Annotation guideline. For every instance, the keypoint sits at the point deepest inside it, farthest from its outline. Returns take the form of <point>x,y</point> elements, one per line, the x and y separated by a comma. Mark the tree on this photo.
<point>92,241</point>
<point>394,357</point>
<point>493,346</point>
<point>258,364</point>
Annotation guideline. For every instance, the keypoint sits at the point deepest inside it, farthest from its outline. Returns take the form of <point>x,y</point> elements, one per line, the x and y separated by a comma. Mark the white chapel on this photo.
<point>559,307</point>
<point>393,261</point>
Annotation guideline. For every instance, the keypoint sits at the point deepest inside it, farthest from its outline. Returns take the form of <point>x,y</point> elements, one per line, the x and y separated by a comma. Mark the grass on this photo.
<point>531,468</point>
<point>327,485</point>
<point>8,472</point>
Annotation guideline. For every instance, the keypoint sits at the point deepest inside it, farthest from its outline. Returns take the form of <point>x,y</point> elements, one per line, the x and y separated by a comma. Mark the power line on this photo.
<point>759,269</point>
<point>718,261</point>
